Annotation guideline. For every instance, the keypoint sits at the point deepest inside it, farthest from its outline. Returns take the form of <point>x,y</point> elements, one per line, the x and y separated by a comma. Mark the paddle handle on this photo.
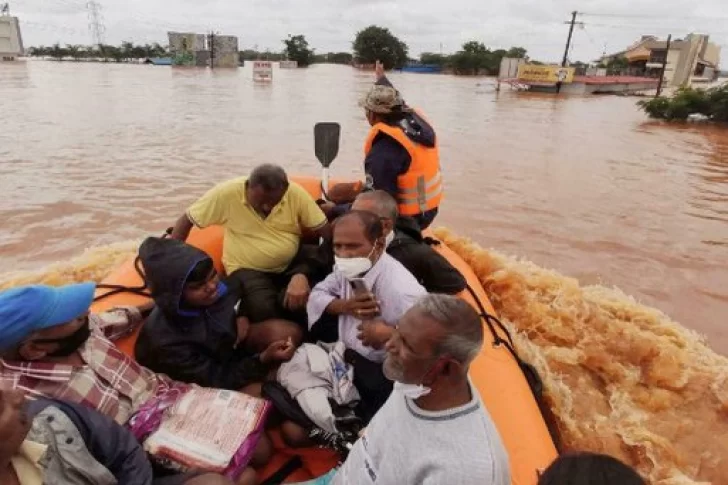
<point>325,183</point>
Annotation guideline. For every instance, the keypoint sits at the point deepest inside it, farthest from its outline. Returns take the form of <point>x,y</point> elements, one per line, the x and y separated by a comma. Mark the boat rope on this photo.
<point>141,290</point>
<point>529,371</point>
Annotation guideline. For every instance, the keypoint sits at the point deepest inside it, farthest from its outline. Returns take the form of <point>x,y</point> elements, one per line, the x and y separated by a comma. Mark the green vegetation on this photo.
<point>712,103</point>
<point>371,44</point>
<point>334,58</point>
<point>124,53</point>
<point>378,43</point>
<point>615,65</point>
<point>297,50</point>
<point>474,58</point>
<point>252,55</point>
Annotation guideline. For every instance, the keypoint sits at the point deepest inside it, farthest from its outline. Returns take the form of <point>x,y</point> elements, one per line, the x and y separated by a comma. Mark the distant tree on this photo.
<point>334,58</point>
<point>472,59</point>
<point>615,65</point>
<point>432,58</point>
<point>127,50</point>
<point>378,43</point>
<point>111,52</point>
<point>40,51</point>
<point>516,52</point>
<point>75,51</point>
<point>297,50</point>
<point>252,55</point>
<point>158,51</point>
<point>58,52</point>
<point>340,58</point>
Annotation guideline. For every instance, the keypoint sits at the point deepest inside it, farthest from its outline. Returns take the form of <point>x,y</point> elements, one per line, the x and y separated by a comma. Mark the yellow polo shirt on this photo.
<point>251,241</point>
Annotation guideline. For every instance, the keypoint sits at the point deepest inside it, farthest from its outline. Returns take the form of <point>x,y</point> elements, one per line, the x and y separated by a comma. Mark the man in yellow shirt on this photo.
<point>265,217</point>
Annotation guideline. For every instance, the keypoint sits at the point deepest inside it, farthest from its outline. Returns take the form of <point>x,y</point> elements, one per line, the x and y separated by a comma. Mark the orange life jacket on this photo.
<point>420,188</point>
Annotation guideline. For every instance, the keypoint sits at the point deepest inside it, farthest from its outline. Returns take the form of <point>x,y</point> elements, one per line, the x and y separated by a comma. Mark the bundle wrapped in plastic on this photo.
<point>195,428</point>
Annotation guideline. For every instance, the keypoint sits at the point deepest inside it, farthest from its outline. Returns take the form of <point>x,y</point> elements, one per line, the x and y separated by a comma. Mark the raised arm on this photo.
<point>380,77</point>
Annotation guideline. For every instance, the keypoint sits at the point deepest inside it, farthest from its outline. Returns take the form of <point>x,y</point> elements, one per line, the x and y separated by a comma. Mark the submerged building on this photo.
<point>690,59</point>
<point>11,41</point>
<point>190,49</point>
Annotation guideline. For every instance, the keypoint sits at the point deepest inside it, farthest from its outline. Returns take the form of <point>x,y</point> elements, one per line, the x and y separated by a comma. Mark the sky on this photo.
<point>425,25</point>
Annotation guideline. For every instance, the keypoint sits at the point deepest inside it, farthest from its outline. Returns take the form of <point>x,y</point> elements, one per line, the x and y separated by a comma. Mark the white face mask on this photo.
<point>388,239</point>
<point>412,391</point>
<point>353,267</point>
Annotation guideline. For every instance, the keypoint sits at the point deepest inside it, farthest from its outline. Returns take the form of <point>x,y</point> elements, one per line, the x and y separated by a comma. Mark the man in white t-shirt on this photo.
<point>434,429</point>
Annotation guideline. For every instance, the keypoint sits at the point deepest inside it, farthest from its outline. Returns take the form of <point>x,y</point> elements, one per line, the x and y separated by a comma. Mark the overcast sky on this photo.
<point>425,25</point>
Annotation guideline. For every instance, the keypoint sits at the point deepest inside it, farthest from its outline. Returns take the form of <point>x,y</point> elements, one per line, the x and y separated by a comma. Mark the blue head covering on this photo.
<point>26,309</point>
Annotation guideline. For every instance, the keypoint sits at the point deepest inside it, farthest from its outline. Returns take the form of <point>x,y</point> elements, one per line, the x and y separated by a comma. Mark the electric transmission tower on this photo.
<point>95,22</point>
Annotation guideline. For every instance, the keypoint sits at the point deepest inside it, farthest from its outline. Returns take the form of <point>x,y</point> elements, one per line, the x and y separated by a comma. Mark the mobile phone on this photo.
<point>359,286</point>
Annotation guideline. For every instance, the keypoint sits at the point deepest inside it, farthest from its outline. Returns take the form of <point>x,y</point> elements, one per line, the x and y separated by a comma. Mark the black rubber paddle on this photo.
<point>326,146</point>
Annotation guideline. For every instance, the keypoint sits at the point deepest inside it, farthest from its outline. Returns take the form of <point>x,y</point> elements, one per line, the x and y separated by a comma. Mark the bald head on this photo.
<point>265,187</point>
<point>269,177</point>
<point>378,202</point>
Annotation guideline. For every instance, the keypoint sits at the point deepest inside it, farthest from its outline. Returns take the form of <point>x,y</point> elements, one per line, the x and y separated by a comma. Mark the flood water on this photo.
<point>92,154</point>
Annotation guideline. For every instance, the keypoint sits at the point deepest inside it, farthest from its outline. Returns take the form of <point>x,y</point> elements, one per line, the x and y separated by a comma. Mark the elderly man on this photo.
<point>368,293</point>
<point>51,346</point>
<point>406,244</point>
<point>433,429</point>
<point>265,218</point>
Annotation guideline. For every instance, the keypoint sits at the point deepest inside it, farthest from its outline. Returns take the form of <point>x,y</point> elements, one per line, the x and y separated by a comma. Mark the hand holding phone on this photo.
<point>363,306</point>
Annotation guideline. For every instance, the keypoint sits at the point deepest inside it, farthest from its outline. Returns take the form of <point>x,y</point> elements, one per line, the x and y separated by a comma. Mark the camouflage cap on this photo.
<point>383,100</point>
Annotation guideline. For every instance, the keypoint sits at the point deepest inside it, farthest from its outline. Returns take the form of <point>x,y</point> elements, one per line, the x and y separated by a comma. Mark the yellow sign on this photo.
<point>545,74</point>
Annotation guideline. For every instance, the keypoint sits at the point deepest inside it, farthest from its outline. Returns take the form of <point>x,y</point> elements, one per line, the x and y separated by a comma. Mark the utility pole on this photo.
<point>664,66</point>
<point>568,39</point>
<point>568,45</point>
<point>211,44</point>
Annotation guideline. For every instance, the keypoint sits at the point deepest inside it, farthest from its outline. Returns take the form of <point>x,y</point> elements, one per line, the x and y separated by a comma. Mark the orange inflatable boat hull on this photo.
<point>495,373</point>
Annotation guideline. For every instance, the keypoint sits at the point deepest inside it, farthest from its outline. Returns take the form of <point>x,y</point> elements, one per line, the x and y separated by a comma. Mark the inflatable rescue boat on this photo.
<point>497,372</point>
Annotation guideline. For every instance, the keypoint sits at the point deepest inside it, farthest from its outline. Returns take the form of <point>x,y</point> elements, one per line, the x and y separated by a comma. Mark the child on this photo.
<point>193,334</point>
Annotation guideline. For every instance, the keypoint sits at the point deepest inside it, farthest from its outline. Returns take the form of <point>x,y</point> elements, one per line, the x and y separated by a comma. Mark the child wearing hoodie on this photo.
<point>193,334</point>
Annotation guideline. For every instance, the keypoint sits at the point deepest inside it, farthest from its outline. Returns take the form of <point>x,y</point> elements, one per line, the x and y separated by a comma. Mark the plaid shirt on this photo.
<point>110,381</point>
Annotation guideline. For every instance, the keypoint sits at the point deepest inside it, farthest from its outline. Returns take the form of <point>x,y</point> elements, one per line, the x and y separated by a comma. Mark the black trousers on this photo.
<point>373,386</point>
<point>262,294</point>
<point>326,329</point>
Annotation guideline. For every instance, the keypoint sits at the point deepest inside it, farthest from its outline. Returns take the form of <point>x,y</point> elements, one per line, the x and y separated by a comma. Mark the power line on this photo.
<point>655,17</point>
<point>95,22</point>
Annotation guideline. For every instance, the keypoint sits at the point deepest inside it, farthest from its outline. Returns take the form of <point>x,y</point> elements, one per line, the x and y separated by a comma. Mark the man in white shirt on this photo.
<point>367,319</point>
<point>433,429</point>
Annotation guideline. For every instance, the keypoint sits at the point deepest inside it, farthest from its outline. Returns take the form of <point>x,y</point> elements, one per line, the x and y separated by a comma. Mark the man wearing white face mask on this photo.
<point>406,244</point>
<point>366,321</point>
<point>433,429</point>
